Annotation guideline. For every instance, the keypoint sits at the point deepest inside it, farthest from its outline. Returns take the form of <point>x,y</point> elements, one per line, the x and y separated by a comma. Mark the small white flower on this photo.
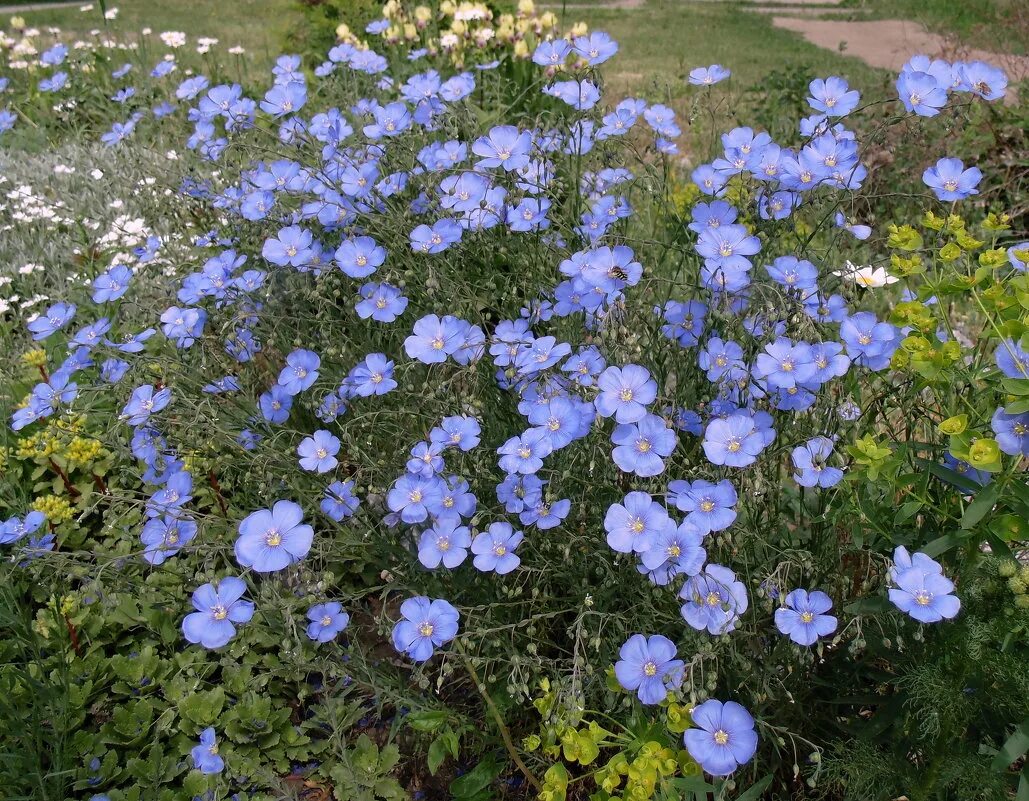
<point>173,38</point>
<point>866,276</point>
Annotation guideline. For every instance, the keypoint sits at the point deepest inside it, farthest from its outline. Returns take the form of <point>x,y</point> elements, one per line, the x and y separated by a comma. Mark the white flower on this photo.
<point>96,175</point>
<point>237,50</point>
<point>173,38</point>
<point>111,13</point>
<point>867,276</point>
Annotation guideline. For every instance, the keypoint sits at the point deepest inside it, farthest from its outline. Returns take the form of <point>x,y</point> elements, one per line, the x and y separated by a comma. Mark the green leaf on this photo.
<point>1015,386</point>
<point>981,506</point>
<point>1013,748</point>
<point>437,753</point>
<point>944,543</point>
<point>476,780</point>
<point>429,720</point>
<point>753,793</point>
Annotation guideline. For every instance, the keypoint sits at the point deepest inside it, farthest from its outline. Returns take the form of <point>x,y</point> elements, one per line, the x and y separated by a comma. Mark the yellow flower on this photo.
<point>83,451</point>
<point>526,7</point>
<point>56,509</point>
<point>34,358</point>
<point>580,29</point>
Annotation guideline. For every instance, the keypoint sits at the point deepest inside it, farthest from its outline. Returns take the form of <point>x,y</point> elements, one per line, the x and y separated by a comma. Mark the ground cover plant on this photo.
<point>417,423</point>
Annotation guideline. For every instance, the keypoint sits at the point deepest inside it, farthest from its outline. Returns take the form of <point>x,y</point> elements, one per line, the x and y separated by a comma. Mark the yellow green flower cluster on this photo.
<point>460,29</point>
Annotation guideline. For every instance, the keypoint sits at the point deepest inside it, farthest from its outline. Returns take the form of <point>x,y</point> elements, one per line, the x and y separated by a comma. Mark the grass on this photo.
<point>257,25</point>
<point>663,39</point>
<point>993,25</point>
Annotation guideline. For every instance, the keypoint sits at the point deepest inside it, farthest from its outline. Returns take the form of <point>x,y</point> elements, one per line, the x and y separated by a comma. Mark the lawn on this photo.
<point>662,40</point>
<point>257,25</point>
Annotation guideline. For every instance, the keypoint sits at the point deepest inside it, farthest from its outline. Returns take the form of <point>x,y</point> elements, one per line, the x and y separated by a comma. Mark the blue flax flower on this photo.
<point>724,737</point>
<point>273,539</point>
<point>647,666</point>
<point>327,621</point>
<point>425,625</point>
<point>218,609</point>
<point>803,617</point>
<point>494,549</point>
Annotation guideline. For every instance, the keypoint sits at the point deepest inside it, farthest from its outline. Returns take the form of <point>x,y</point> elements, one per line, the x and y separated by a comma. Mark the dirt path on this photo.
<point>38,7</point>
<point>889,43</point>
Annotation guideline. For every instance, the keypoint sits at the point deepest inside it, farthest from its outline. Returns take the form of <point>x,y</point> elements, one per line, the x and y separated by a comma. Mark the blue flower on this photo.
<point>425,625</point>
<point>951,181</point>
<point>327,621</point>
<point>676,550</point>
<point>381,302</point>
<point>284,98</point>
<point>635,524</point>
<point>709,506</point>
<point>458,432</point>
<point>545,515</point>
<point>1011,431</point>
<point>803,617</point>
<point>437,238</point>
<point>552,53</point>
<point>166,536</point>
<point>390,120</point>
<point>708,76</point>
<point>205,755</point>
<point>494,549</point>
<point>727,247</point>
<point>641,446</point>
<point>112,284</point>
<point>647,665</point>
<point>980,78</point>
<point>869,342</point>
<point>318,452</point>
<point>922,591</point>
<point>433,339</point>
<point>340,501</point>
<point>413,497</point>
<point>359,257</point>
<point>217,610</point>
<point>300,372</point>
<point>596,48</point>
<point>525,453</point>
<point>810,460</point>
<point>273,539</point>
<point>832,96</point>
<point>275,404</point>
<point>733,442</point>
<point>446,543</point>
<point>56,318</point>
<point>15,528</point>
<point>580,95</point>
<point>504,146</point>
<point>625,393</point>
<point>714,600</point>
<point>145,400</point>
<point>291,246</point>
<point>183,325</point>
<point>426,459</point>
<point>373,376</point>
<point>724,738</point>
